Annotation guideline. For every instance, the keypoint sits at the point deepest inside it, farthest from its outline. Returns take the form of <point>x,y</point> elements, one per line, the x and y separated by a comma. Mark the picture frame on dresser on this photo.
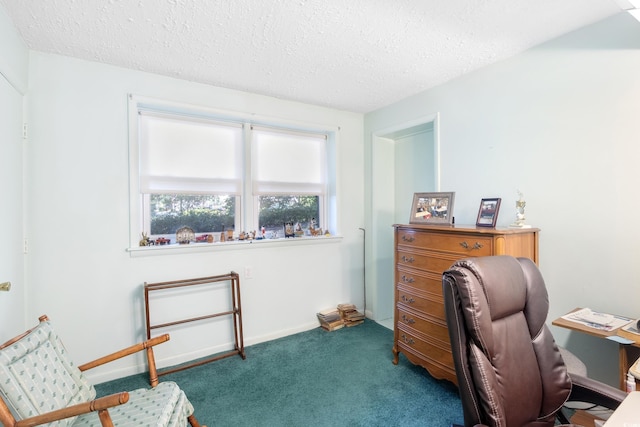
<point>432,208</point>
<point>488,212</point>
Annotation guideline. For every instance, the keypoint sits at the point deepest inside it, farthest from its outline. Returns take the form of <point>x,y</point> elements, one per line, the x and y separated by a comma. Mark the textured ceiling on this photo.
<point>354,55</point>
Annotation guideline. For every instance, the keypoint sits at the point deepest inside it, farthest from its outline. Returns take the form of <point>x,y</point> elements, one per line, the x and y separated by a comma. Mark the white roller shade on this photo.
<point>189,155</point>
<point>287,162</point>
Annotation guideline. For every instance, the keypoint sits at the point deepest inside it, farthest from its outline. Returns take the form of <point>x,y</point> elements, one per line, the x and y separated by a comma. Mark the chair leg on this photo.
<point>105,418</point>
<point>193,422</point>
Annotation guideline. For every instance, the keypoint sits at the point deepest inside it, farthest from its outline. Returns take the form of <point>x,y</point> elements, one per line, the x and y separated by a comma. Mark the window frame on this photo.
<point>247,203</point>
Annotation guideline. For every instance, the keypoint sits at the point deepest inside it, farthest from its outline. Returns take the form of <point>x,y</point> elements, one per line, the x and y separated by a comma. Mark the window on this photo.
<point>289,177</point>
<point>214,172</point>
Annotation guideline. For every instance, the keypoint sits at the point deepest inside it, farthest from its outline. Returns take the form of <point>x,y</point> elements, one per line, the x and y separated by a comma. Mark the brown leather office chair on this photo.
<point>509,369</point>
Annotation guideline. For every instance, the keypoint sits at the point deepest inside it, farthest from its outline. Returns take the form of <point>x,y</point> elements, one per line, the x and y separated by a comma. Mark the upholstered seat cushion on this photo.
<point>163,406</point>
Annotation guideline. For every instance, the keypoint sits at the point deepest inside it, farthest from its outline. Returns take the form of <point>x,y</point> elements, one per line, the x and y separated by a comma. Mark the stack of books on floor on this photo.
<point>343,315</point>
<point>350,316</point>
<point>330,319</point>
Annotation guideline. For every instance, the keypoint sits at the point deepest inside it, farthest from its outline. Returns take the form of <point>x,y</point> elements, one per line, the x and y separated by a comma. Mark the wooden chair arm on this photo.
<point>146,345</point>
<point>101,405</point>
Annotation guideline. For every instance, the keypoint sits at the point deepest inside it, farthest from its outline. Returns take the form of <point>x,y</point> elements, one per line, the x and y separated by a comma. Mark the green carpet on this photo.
<point>314,378</point>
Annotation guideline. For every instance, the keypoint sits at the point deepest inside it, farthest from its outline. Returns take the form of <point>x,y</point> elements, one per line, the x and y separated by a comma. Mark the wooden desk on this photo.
<point>627,414</point>
<point>629,353</point>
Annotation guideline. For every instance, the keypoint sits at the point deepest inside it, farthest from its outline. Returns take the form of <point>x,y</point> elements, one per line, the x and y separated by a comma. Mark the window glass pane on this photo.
<point>203,213</point>
<point>275,211</point>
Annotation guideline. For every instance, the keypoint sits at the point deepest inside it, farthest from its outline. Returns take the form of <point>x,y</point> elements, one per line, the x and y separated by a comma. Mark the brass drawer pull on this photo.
<point>408,238</point>
<point>406,279</point>
<point>407,300</point>
<point>409,341</point>
<point>476,245</point>
<point>408,259</point>
<point>408,320</point>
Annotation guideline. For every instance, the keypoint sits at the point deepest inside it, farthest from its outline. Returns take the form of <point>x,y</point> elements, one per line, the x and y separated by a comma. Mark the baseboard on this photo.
<point>102,375</point>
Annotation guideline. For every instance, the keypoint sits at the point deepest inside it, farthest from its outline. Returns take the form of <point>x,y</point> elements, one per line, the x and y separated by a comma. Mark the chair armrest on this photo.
<point>589,390</point>
<point>146,345</point>
<point>101,405</point>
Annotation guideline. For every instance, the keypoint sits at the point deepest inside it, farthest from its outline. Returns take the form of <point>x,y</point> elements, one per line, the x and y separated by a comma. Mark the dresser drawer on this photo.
<point>427,350</point>
<point>418,324</point>
<point>466,245</point>
<point>435,263</point>
<point>419,302</point>
<point>420,280</point>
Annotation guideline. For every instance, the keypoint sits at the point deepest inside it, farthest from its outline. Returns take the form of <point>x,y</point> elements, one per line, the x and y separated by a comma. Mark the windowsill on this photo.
<point>175,248</point>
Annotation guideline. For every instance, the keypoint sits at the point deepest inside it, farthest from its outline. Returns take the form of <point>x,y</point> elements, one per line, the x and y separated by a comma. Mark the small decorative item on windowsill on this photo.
<point>204,238</point>
<point>185,235</point>
<point>288,230</point>
<point>313,229</point>
<point>520,204</point>
<point>145,241</point>
<point>488,212</point>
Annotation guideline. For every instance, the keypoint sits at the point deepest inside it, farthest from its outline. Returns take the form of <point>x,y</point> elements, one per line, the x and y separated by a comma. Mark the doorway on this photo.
<point>405,160</point>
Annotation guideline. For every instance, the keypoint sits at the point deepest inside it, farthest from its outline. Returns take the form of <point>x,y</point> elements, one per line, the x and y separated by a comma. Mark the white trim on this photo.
<point>135,214</point>
<point>158,104</point>
<point>140,251</point>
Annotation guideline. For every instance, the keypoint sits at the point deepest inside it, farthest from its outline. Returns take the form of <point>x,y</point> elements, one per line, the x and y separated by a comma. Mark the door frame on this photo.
<point>379,266</point>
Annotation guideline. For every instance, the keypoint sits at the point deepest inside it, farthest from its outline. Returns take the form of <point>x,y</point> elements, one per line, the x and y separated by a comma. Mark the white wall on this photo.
<point>15,56</point>
<point>13,76</point>
<point>561,123</point>
<point>80,273</point>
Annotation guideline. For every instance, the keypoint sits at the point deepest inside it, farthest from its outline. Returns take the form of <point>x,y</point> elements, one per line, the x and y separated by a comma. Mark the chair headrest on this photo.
<point>492,288</point>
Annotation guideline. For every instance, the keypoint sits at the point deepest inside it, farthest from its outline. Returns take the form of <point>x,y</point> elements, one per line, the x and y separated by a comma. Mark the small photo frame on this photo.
<point>432,208</point>
<point>488,212</point>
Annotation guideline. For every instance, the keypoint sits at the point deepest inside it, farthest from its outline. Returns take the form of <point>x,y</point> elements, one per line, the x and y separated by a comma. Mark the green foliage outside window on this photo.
<point>208,214</point>
<point>203,213</point>
<point>277,210</point>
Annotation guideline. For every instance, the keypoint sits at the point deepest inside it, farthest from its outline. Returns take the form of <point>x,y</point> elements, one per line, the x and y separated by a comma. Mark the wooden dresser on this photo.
<point>422,254</point>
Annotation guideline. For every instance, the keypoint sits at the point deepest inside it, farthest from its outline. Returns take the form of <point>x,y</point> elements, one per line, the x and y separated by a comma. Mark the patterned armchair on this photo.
<point>39,384</point>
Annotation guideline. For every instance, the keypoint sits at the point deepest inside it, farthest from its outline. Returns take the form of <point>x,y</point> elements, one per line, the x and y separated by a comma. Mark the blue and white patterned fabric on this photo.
<point>163,406</point>
<point>36,377</point>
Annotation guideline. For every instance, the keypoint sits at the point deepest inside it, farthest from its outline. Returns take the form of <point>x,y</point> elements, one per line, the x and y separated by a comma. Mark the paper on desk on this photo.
<point>596,320</point>
<point>632,327</point>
